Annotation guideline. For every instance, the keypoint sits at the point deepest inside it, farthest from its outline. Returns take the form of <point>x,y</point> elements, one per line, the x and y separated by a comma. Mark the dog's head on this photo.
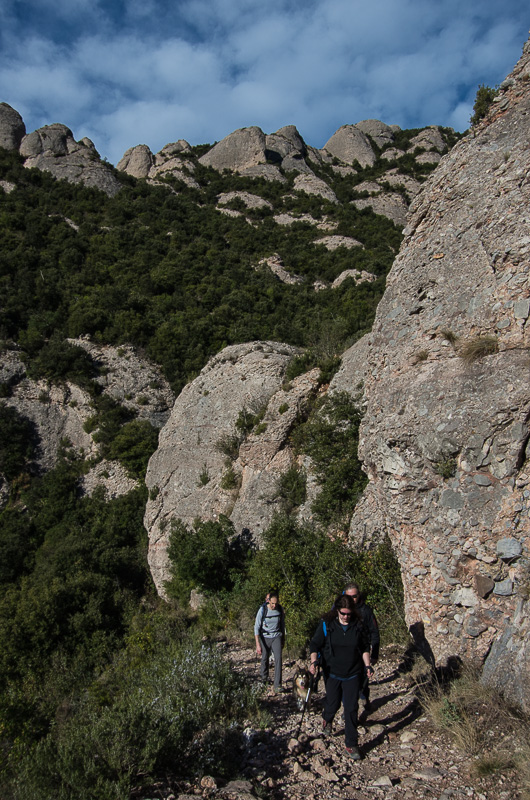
<point>301,679</point>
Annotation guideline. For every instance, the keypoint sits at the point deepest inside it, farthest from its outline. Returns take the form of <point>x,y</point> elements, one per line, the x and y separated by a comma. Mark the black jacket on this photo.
<point>370,623</point>
<point>341,649</point>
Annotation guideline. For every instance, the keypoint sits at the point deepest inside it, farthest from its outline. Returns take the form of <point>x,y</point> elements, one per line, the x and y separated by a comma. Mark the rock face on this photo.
<point>393,206</point>
<point>447,384</point>
<point>140,162</point>
<point>188,475</point>
<point>59,413</point>
<point>53,149</point>
<point>12,128</point>
<point>134,382</point>
<point>310,184</point>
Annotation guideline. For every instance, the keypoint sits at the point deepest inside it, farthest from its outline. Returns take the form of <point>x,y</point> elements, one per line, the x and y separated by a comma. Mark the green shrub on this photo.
<point>59,361</point>
<point>228,444</point>
<point>200,557</point>
<point>330,438</point>
<point>17,442</point>
<point>204,476</point>
<point>229,479</point>
<point>447,468</point>
<point>133,445</point>
<point>291,489</point>
<point>151,724</point>
<point>483,100</point>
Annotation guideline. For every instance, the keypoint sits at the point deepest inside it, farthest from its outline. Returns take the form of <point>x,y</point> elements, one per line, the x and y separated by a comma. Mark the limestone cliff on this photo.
<point>447,387</point>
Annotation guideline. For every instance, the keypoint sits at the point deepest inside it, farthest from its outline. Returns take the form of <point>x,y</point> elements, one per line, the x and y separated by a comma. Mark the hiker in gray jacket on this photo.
<point>269,632</point>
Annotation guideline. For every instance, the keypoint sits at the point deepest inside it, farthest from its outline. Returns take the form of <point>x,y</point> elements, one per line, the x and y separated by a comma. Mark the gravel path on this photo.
<point>404,755</point>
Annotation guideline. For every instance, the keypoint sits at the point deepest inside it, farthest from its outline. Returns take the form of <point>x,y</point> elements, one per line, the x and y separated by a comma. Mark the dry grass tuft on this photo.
<point>478,347</point>
<point>480,722</point>
<point>449,336</point>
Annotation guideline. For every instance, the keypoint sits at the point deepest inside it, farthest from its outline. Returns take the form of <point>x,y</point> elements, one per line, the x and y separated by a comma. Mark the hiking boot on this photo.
<point>354,753</point>
<point>326,726</point>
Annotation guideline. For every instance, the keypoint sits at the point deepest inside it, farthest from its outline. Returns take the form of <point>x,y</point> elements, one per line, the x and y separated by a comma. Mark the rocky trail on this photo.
<point>404,756</point>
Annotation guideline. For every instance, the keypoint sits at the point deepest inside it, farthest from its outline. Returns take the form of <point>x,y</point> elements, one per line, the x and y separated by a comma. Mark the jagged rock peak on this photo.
<point>350,144</point>
<point>12,128</point>
<point>445,437</point>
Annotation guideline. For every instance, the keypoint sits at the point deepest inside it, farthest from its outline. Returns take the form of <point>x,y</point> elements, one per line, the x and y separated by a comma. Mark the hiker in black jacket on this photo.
<point>370,622</point>
<point>343,641</point>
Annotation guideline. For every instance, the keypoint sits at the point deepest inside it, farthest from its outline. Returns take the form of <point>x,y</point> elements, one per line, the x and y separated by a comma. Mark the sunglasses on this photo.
<point>345,613</point>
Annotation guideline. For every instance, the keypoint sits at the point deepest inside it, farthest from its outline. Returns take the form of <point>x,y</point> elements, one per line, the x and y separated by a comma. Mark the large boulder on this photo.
<point>239,150</point>
<point>445,436</point>
<point>391,205</point>
<point>137,161</point>
<point>12,128</point>
<point>53,148</point>
<point>381,133</point>
<point>310,184</point>
<point>188,475</point>
<point>350,144</point>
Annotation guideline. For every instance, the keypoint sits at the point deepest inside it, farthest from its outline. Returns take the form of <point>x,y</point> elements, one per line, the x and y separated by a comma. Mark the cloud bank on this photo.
<point>127,72</point>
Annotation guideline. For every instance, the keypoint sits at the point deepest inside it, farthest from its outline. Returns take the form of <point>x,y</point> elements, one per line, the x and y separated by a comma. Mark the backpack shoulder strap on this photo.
<point>264,610</point>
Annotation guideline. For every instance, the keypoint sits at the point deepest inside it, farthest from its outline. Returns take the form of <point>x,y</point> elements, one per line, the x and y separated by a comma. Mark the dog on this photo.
<point>301,685</point>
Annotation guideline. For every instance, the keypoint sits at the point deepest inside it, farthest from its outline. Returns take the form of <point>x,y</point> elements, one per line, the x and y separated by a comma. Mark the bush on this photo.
<point>133,446</point>
<point>291,489</point>
<point>17,442</point>
<point>483,100</point>
<point>203,557</point>
<point>330,438</point>
<point>113,747</point>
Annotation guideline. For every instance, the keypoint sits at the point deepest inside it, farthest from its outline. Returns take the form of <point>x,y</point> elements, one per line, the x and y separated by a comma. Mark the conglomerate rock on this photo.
<point>447,385</point>
<point>12,128</point>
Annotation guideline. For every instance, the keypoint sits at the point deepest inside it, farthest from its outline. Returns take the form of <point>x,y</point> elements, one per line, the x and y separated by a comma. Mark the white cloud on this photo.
<point>155,70</point>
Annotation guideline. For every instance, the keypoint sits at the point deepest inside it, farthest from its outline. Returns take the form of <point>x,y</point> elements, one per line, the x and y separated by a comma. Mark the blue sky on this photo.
<point>127,72</point>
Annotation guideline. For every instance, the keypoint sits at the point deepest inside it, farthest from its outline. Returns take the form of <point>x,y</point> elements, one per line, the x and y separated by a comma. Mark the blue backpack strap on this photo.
<point>324,627</point>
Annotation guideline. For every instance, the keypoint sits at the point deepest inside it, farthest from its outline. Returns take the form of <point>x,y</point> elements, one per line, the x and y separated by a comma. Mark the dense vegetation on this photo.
<point>96,675</point>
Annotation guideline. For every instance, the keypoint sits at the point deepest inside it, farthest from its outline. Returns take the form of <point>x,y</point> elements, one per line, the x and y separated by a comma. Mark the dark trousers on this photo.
<point>274,645</point>
<point>346,692</point>
<point>365,688</point>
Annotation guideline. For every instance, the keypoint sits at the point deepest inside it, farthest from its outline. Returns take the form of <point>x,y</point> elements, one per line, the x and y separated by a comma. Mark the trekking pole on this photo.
<point>312,682</point>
